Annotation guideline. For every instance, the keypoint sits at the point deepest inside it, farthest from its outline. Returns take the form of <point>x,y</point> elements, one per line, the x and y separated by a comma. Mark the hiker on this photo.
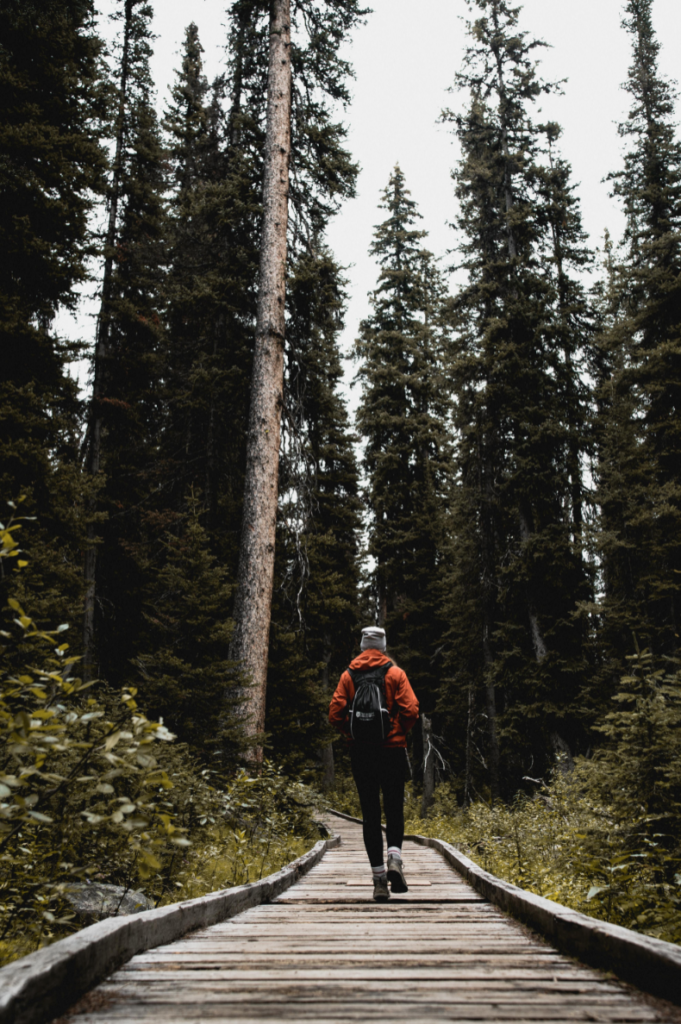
<point>374,706</point>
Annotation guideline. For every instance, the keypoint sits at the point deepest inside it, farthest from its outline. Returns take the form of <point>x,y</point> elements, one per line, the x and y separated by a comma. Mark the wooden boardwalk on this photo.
<point>324,951</point>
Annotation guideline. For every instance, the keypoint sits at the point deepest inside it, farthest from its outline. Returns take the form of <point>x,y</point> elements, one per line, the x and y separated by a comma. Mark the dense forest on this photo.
<point>505,498</point>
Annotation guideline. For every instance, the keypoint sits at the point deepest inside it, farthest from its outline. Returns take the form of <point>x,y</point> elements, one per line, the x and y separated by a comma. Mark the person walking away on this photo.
<point>374,707</point>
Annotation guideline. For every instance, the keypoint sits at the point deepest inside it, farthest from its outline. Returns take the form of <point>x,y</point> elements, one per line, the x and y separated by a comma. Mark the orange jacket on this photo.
<point>398,692</point>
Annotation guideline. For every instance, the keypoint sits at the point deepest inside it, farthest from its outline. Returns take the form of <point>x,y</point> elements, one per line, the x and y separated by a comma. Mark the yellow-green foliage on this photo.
<point>569,849</point>
<point>91,789</point>
<point>605,838</point>
<point>264,823</point>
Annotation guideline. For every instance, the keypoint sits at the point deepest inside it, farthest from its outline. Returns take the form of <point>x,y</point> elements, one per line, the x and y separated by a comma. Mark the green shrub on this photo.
<point>604,839</point>
<point>91,789</point>
<point>262,823</point>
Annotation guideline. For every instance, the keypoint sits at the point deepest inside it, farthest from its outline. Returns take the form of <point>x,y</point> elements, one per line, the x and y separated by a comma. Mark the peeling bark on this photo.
<point>256,560</point>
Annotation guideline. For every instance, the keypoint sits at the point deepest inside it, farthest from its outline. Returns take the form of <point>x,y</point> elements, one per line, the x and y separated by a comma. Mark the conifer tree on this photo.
<point>210,310</point>
<point>402,417</point>
<point>51,166</point>
<point>124,411</point>
<point>323,174</point>
<point>210,291</point>
<point>314,614</point>
<point>522,328</point>
<point>640,468</point>
<point>182,653</point>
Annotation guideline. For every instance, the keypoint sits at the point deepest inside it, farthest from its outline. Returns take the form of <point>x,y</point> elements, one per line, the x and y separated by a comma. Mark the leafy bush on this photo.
<point>604,839</point>
<point>261,824</point>
<point>343,797</point>
<point>91,789</point>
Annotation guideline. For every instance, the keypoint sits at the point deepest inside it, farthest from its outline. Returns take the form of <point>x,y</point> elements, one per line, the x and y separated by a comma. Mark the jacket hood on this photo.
<point>371,658</point>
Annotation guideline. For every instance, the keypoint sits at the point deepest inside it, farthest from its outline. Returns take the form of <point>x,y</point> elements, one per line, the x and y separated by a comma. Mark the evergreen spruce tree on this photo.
<point>522,327</point>
<point>184,643</point>
<point>124,415</point>
<point>403,418</point>
<point>51,167</point>
<point>216,139</point>
<point>314,615</point>
<point>210,290</point>
<point>640,467</point>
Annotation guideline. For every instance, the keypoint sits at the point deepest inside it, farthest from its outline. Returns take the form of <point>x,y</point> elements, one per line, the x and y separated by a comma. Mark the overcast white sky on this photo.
<point>405,58</point>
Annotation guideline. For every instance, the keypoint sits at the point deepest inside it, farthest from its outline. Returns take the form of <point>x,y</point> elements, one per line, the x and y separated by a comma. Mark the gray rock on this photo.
<point>93,901</point>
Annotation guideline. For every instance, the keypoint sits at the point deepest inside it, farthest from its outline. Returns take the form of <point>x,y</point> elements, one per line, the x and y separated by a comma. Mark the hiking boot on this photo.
<point>398,883</point>
<point>381,894</point>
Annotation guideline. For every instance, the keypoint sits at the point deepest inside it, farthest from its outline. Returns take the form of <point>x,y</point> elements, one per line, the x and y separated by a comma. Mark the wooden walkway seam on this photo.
<point>651,964</point>
<point>324,951</point>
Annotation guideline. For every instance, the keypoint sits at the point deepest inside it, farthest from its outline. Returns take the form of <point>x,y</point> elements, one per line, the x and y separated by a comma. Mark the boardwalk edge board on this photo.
<point>46,983</point>
<point>652,965</point>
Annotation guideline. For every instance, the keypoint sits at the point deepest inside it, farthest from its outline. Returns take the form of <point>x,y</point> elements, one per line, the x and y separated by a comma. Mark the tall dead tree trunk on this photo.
<point>93,455</point>
<point>468,767</point>
<point>428,765</point>
<point>256,558</point>
<point>489,590</point>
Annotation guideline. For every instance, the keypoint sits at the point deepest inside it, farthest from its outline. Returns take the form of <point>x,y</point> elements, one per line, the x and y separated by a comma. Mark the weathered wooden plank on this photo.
<point>405,978</point>
<point>461,961</point>
<point>335,1015</point>
<point>324,1010</point>
<point>551,975</point>
<point>326,952</point>
<point>157,990</point>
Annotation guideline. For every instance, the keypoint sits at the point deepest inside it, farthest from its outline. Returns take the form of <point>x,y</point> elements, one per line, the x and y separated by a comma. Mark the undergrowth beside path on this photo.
<point>91,790</point>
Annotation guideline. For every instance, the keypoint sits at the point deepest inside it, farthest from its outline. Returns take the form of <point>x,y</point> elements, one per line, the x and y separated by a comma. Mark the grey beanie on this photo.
<point>373,637</point>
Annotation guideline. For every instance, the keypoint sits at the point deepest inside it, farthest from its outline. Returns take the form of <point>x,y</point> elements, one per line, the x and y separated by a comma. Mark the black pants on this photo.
<point>376,770</point>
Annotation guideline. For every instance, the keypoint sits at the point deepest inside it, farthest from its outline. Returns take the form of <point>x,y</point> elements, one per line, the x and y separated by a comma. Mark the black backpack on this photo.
<point>369,716</point>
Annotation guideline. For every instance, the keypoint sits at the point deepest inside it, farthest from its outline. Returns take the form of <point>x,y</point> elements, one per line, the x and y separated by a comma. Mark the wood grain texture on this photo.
<point>436,953</point>
<point>256,559</point>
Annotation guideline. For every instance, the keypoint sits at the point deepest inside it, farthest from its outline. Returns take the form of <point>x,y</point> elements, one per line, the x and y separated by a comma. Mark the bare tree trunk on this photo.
<point>540,649</point>
<point>486,488</point>
<point>382,603</point>
<point>491,709</point>
<point>93,456</point>
<point>256,560</point>
<point>326,752</point>
<point>328,768</point>
<point>428,765</point>
<point>468,768</point>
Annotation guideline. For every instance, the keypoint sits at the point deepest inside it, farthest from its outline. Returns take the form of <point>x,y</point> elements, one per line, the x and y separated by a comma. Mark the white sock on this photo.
<point>378,871</point>
<point>395,851</point>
